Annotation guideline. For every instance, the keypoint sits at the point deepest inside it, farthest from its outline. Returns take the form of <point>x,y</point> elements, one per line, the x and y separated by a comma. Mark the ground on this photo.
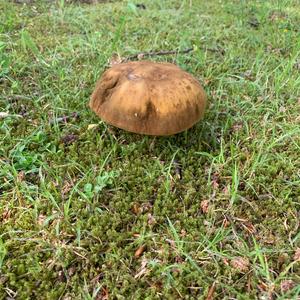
<point>88,211</point>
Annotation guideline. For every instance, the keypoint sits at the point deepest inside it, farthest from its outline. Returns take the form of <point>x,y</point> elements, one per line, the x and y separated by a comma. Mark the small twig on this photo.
<point>117,59</point>
<point>156,53</point>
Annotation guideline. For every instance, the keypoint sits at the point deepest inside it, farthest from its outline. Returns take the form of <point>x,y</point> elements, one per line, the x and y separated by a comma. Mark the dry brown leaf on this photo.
<point>246,225</point>
<point>136,209</point>
<point>66,188</point>
<point>69,139</point>
<point>139,251</point>
<point>104,294</point>
<point>211,292</point>
<point>241,264</point>
<point>225,223</point>
<point>204,206</point>
<point>286,285</point>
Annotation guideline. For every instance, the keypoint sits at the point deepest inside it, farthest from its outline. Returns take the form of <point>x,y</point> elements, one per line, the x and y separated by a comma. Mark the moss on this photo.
<point>74,213</point>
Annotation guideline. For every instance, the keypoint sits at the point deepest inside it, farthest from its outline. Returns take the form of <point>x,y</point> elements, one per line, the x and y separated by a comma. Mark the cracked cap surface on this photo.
<point>148,98</point>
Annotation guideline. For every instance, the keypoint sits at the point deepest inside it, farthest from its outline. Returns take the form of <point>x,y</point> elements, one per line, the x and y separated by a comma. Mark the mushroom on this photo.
<point>148,98</point>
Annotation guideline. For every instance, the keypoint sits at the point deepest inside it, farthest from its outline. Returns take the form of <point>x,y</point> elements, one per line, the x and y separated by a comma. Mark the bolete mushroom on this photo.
<point>148,98</point>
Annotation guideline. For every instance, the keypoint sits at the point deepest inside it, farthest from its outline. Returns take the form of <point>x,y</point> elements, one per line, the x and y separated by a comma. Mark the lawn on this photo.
<point>88,211</point>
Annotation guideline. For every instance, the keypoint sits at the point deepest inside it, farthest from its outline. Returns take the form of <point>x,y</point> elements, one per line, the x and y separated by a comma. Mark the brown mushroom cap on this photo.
<point>148,98</point>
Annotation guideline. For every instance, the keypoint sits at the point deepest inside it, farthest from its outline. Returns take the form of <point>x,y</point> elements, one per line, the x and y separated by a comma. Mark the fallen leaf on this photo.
<point>204,206</point>
<point>286,285</point>
<point>69,139</point>
<point>248,226</point>
<point>139,251</point>
<point>105,294</point>
<point>240,263</point>
<point>66,188</point>
<point>136,209</point>
<point>211,292</point>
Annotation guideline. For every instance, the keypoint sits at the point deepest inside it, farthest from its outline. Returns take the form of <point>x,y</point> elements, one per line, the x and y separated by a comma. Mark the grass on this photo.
<point>88,211</point>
